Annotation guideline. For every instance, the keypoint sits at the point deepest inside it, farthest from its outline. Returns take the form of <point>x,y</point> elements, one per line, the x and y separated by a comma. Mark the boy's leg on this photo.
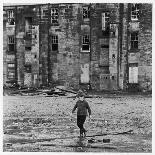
<point>83,118</point>
<point>79,124</point>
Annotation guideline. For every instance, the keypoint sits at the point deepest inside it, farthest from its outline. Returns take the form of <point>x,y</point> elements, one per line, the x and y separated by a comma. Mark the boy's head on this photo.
<point>81,95</point>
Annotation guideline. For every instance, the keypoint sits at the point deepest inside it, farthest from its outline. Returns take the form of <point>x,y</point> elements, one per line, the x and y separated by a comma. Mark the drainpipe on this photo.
<point>120,32</point>
<point>48,57</point>
<point>128,34</point>
<point>16,63</point>
<point>90,47</point>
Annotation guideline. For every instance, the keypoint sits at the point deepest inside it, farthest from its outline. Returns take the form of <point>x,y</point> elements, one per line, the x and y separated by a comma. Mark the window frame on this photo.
<point>135,12</point>
<point>10,16</point>
<point>85,12</point>
<point>53,15</point>
<point>105,22</point>
<point>134,42</point>
<point>86,42</point>
<point>11,42</point>
<point>54,41</point>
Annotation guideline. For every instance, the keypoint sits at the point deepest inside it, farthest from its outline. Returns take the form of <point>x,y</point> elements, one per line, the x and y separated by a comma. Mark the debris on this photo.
<point>106,140</point>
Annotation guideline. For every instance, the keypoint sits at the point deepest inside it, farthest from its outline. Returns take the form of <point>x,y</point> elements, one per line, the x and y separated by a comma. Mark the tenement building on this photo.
<point>103,46</point>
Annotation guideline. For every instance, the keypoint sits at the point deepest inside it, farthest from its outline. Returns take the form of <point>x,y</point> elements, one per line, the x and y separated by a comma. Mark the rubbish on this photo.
<point>106,140</point>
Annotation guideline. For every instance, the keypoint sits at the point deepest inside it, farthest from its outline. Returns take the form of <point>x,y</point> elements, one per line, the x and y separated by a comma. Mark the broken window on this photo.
<point>135,11</point>
<point>11,19</point>
<point>85,43</point>
<point>86,12</point>
<point>54,15</point>
<point>54,43</point>
<point>134,40</point>
<point>11,43</point>
<point>105,21</point>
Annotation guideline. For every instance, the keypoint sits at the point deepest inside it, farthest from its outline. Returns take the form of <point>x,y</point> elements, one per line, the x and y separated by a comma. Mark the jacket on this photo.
<point>82,107</point>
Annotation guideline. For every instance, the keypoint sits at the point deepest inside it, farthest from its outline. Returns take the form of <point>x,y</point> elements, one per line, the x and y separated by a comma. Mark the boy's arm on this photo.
<point>89,110</point>
<point>74,108</point>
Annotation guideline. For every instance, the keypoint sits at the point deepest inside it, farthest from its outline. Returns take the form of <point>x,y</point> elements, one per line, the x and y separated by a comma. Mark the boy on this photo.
<point>82,107</point>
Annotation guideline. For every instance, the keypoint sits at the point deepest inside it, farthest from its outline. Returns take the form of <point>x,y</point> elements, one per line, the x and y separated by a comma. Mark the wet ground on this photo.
<point>41,124</point>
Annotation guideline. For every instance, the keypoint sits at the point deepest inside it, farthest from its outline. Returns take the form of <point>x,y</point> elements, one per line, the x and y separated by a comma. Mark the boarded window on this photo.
<point>11,65</point>
<point>134,40</point>
<point>54,43</point>
<point>84,73</point>
<point>105,22</point>
<point>86,12</point>
<point>11,43</point>
<point>133,73</point>
<point>85,43</point>
<point>135,11</point>
<point>11,19</point>
<point>54,15</point>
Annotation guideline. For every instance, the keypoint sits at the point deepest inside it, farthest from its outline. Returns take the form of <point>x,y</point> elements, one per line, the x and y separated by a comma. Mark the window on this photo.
<point>54,43</point>
<point>135,11</point>
<point>85,43</point>
<point>105,21</point>
<point>54,15</point>
<point>28,68</point>
<point>11,43</point>
<point>11,19</point>
<point>44,13</point>
<point>86,12</point>
<point>134,40</point>
<point>11,75</point>
<point>28,48</point>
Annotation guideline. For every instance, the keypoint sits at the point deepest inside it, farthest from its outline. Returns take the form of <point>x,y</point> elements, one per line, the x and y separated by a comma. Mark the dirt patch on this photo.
<point>42,124</point>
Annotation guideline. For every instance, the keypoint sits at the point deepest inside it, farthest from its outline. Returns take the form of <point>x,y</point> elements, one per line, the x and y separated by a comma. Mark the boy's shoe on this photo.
<point>84,132</point>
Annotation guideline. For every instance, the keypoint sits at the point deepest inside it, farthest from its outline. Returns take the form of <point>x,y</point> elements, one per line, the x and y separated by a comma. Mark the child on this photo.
<point>82,107</point>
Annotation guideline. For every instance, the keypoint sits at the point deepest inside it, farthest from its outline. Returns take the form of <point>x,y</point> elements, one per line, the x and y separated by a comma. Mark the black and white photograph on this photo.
<point>77,76</point>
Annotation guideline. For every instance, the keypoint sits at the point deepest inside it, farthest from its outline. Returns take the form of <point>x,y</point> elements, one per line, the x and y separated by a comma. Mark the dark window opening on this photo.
<point>28,48</point>
<point>28,68</point>
<point>54,43</point>
<point>85,43</point>
<point>112,77</point>
<point>113,56</point>
<point>85,47</point>
<point>11,47</point>
<point>104,46</point>
<point>54,47</point>
<point>106,32</point>
<point>35,56</point>
<point>134,40</point>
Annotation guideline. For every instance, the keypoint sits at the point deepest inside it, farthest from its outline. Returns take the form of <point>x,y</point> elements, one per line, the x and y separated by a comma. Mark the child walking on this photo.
<point>82,107</point>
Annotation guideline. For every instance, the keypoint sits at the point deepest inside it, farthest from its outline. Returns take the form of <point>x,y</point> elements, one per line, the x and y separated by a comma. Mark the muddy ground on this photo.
<point>41,124</point>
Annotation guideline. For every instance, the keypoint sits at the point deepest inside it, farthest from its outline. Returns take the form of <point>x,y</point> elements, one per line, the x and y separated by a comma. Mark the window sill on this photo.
<point>85,51</point>
<point>133,50</point>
